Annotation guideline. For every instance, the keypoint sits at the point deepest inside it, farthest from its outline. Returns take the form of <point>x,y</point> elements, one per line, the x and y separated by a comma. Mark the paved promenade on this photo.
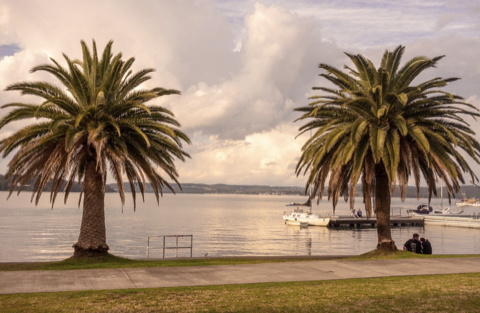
<point>75,280</point>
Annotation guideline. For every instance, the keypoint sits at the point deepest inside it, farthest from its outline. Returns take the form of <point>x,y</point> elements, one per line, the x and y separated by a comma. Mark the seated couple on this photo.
<point>356,214</point>
<point>418,246</point>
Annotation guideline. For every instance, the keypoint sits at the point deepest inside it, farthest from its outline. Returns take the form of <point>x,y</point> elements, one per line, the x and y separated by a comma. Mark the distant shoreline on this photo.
<point>191,188</point>
<point>422,199</point>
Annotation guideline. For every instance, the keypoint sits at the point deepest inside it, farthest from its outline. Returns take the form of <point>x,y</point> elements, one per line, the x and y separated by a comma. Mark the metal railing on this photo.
<point>397,211</point>
<point>176,247</point>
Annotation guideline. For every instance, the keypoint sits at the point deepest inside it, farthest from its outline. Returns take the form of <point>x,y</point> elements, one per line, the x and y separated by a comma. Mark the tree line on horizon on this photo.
<point>192,188</point>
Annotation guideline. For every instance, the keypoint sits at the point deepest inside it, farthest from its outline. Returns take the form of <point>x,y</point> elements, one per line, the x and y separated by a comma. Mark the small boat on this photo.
<point>310,219</point>
<point>468,202</point>
<point>302,218</point>
<point>422,209</point>
<point>447,211</point>
<point>296,223</point>
<point>427,209</point>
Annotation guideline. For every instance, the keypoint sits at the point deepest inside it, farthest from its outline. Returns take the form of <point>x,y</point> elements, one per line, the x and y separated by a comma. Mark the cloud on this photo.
<point>268,162</point>
<point>461,60</point>
<point>262,159</point>
<point>233,104</point>
<point>186,41</point>
<point>279,58</point>
<point>444,21</point>
<point>375,23</point>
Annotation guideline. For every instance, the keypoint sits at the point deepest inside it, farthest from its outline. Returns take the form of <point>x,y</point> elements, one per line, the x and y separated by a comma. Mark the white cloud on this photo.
<point>461,54</point>
<point>376,23</point>
<point>262,159</point>
<point>186,41</point>
<point>279,63</point>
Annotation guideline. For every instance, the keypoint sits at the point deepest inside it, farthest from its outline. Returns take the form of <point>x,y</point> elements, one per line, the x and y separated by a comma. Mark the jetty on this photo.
<point>457,221</point>
<point>395,221</point>
<point>405,221</point>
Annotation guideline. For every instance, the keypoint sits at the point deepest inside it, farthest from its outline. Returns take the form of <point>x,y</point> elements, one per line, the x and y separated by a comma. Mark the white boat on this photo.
<point>301,217</point>
<point>469,222</point>
<point>293,222</point>
<point>446,211</point>
<point>474,202</point>
<point>424,209</point>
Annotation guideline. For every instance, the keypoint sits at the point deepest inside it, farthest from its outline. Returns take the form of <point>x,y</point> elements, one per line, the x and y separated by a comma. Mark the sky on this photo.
<point>242,66</point>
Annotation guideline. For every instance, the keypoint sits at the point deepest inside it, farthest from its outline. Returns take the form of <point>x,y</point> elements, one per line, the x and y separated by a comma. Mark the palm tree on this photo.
<point>377,126</point>
<point>97,120</point>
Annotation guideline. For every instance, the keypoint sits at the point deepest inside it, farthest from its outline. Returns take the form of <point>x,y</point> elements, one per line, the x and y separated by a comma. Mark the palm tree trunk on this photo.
<point>382,207</point>
<point>92,239</point>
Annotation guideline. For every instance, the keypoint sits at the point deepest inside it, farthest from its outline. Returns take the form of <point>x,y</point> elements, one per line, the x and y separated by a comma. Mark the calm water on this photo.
<point>222,225</point>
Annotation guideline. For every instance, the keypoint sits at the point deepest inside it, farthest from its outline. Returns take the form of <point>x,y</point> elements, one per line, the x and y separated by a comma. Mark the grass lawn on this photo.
<point>400,254</point>
<point>111,261</point>
<point>440,293</point>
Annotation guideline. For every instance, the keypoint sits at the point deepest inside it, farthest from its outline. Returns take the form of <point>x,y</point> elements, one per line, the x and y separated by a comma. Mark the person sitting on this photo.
<point>427,246</point>
<point>359,213</point>
<point>354,214</point>
<point>413,245</point>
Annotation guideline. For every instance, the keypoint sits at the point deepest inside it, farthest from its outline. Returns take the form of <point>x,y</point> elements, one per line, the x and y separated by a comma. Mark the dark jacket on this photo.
<point>427,247</point>
<point>413,245</point>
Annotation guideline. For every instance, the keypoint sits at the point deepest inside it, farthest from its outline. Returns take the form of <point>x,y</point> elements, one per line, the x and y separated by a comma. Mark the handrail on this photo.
<point>393,208</point>
<point>176,245</point>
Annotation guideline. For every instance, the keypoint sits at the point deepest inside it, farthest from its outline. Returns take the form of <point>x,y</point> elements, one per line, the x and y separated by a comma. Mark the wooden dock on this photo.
<point>464,221</point>
<point>395,221</point>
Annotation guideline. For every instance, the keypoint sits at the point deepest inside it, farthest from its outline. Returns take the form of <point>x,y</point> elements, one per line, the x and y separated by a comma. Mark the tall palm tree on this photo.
<point>377,126</point>
<point>97,121</point>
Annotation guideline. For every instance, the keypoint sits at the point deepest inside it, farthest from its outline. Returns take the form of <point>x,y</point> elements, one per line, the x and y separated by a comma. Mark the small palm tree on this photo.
<point>376,126</point>
<point>98,120</point>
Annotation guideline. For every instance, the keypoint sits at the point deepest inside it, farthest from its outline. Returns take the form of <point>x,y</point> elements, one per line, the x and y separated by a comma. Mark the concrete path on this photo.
<point>75,280</point>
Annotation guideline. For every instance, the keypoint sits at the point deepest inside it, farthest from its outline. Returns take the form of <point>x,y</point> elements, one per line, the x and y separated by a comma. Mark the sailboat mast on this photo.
<point>310,195</point>
<point>441,193</point>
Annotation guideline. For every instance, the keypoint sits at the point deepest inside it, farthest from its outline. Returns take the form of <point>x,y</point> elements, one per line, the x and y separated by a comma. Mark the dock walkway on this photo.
<point>130,278</point>
<point>347,221</point>
<point>456,221</point>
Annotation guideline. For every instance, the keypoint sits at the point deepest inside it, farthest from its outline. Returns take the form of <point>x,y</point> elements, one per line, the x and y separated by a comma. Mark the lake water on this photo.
<point>222,225</point>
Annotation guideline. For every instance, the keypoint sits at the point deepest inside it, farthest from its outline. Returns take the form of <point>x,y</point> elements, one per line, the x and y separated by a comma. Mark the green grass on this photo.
<point>400,254</point>
<point>440,293</point>
<point>111,261</point>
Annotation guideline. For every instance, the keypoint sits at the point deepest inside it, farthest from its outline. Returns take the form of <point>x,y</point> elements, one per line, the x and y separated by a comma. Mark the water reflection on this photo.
<point>222,225</point>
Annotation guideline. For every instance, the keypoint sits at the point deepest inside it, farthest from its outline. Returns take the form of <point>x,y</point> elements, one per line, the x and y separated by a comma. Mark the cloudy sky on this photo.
<point>242,66</point>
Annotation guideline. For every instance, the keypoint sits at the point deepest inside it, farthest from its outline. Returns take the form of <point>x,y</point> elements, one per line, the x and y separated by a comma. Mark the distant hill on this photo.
<point>469,190</point>
<point>224,189</point>
<point>5,186</point>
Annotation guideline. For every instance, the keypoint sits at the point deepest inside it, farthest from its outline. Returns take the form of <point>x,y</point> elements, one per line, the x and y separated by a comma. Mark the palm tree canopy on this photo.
<point>100,113</point>
<point>378,117</point>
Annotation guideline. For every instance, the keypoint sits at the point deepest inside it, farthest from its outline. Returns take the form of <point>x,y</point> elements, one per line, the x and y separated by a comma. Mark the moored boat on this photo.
<point>293,222</point>
<point>446,211</point>
<point>300,216</point>
<point>474,202</point>
<point>422,209</point>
